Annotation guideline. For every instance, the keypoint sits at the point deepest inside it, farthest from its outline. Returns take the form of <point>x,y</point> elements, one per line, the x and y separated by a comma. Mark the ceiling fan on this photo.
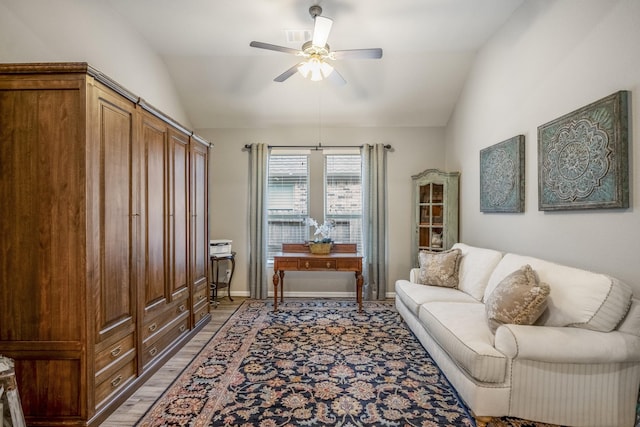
<point>316,53</point>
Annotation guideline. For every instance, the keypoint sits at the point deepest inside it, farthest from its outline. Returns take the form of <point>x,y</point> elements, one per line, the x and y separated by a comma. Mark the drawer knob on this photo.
<point>306,264</point>
<point>116,381</point>
<point>181,308</point>
<point>182,328</point>
<point>116,351</point>
<point>153,327</point>
<point>153,351</point>
<point>328,264</point>
<point>201,297</point>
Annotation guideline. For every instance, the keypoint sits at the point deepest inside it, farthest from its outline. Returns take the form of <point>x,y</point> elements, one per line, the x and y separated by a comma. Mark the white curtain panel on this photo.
<point>258,280</point>
<point>375,230</point>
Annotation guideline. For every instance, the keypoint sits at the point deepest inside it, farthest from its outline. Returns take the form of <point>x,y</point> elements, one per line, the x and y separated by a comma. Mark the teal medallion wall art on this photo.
<point>502,176</point>
<point>583,157</point>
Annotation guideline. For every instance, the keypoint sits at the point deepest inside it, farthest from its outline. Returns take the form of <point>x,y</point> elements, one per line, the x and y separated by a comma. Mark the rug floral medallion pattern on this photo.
<point>313,363</point>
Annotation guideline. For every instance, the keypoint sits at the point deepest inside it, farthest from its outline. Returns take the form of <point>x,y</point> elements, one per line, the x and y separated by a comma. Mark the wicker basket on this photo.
<point>320,248</point>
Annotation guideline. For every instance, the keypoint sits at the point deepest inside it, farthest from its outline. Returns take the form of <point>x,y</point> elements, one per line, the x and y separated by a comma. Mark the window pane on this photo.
<point>287,201</point>
<point>343,197</point>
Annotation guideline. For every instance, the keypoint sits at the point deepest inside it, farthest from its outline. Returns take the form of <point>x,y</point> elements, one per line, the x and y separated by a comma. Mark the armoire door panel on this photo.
<point>154,212</point>
<point>116,303</point>
<point>200,241</point>
<point>179,220</point>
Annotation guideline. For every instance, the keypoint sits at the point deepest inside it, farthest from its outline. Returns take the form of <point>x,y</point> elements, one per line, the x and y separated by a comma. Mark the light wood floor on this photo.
<point>131,411</point>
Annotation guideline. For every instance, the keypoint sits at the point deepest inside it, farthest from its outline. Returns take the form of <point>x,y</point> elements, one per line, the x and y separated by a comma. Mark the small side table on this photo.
<point>217,282</point>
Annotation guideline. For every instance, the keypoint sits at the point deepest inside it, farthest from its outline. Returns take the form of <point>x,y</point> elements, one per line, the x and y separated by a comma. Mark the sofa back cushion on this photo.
<point>475,269</point>
<point>577,298</point>
<point>631,323</point>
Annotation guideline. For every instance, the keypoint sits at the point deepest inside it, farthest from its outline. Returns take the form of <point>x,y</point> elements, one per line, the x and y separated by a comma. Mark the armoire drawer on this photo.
<point>199,296</point>
<point>156,324</point>
<point>156,346</point>
<point>109,382</point>
<point>112,353</point>
<point>200,313</point>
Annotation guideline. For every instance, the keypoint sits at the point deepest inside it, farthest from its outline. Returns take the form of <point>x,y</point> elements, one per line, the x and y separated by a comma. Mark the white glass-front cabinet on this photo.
<point>435,212</point>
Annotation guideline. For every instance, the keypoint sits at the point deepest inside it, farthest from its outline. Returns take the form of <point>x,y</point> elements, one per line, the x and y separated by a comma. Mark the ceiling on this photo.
<point>429,48</point>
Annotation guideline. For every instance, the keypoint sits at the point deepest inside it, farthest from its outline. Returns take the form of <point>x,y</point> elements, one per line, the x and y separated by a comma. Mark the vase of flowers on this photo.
<point>321,245</point>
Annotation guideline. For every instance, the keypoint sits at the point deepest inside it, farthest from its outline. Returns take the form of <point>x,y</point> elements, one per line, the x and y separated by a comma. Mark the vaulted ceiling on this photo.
<point>429,47</point>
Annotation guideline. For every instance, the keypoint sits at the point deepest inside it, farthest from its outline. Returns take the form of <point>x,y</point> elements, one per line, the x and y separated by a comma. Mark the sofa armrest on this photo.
<point>566,344</point>
<point>413,275</point>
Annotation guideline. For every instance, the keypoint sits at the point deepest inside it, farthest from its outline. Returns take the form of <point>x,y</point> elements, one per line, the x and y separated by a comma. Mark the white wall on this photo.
<point>87,31</point>
<point>551,58</point>
<point>414,149</point>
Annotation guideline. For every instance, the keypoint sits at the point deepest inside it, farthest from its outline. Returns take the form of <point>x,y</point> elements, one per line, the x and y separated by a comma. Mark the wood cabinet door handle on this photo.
<point>328,264</point>
<point>306,264</point>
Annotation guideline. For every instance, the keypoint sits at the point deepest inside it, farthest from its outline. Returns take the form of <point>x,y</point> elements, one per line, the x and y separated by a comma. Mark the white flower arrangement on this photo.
<point>324,230</point>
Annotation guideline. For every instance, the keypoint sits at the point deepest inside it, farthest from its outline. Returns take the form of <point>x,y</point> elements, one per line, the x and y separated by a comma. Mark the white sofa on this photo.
<point>578,365</point>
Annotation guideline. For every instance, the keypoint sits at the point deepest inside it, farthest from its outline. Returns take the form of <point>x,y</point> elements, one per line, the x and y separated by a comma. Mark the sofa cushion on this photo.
<point>577,297</point>
<point>476,266</point>
<point>519,299</point>
<point>413,295</point>
<point>439,268</point>
<point>461,330</point>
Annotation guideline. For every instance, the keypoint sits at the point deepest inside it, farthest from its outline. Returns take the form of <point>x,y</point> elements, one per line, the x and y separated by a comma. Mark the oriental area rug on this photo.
<point>313,363</point>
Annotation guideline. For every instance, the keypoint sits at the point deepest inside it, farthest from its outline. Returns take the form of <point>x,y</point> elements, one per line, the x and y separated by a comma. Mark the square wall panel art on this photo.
<point>583,157</point>
<point>502,176</point>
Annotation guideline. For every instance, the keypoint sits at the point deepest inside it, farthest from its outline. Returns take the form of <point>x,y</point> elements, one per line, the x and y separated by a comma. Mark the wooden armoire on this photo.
<point>103,239</point>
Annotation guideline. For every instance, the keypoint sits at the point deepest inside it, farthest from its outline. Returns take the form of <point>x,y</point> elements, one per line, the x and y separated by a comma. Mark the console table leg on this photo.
<point>281,285</point>
<point>359,282</point>
<point>275,291</point>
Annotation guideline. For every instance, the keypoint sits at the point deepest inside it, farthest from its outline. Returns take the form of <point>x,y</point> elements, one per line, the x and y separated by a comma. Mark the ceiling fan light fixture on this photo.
<point>325,69</point>
<point>315,69</point>
<point>304,69</point>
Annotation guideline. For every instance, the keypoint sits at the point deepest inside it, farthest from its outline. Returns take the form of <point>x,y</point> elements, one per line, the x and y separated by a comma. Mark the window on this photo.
<point>287,202</point>
<point>343,196</point>
<point>290,198</point>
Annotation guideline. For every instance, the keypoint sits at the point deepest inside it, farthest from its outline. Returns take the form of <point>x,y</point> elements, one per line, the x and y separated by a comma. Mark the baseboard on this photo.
<point>245,294</point>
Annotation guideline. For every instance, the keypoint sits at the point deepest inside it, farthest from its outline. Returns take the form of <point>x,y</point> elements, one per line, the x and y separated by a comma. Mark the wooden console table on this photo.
<point>297,257</point>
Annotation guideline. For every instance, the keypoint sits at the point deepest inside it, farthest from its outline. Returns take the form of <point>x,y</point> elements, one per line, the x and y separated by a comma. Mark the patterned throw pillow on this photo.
<point>518,299</point>
<point>440,268</point>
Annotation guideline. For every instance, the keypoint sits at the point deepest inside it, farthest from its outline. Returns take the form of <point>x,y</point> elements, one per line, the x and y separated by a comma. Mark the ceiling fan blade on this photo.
<point>321,29</point>
<point>277,48</point>
<point>374,53</point>
<point>336,78</point>
<point>290,72</point>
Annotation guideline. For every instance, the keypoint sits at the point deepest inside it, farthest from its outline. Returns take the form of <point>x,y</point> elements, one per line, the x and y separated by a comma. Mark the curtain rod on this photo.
<point>317,147</point>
